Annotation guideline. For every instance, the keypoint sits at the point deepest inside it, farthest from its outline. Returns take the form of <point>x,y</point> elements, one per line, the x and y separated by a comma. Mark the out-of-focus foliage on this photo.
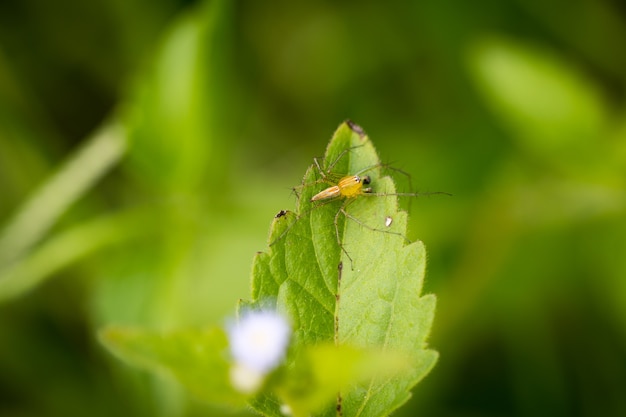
<point>212,109</point>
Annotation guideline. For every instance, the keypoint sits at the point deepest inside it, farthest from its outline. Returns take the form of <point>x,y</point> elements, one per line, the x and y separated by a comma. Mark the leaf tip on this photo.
<point>356,128</point>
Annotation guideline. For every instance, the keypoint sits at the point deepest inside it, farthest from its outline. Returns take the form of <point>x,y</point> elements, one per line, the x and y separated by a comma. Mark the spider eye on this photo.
<point>366,179</point>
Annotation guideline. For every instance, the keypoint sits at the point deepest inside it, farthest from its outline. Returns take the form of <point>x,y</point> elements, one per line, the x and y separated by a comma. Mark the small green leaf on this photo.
<point>323,371</point>
<point>363,291</point>
<point>197,359</point>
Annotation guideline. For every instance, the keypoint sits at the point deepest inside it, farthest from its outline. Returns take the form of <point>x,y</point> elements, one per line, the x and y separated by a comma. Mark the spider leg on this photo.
<point>336,223</point>
<point>374,229</point>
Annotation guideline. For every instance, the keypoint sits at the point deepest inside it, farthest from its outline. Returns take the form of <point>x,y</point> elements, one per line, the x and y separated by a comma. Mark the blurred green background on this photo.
<point>146,145</point>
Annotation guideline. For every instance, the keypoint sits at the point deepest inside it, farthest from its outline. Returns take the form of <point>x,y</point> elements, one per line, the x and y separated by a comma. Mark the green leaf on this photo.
<point>196,358</point>
<point>324,370</point>
<point>544,99</point>
<point>177,105</point>
<point>67,247</point>
<point>32,221</point>
<point>363,291</point>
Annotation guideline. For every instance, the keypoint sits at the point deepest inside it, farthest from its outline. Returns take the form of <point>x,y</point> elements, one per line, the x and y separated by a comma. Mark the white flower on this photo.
<point>286,410</point>
<point>245,379</point>
<point>259,340</point>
